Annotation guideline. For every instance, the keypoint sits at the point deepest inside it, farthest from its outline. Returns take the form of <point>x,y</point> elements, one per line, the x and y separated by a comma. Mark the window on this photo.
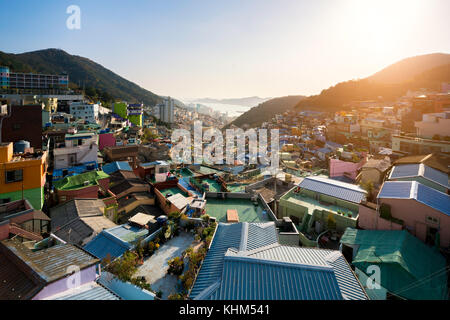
<point>16,126</point>
<point>432,220</point>
<point>14,175</point>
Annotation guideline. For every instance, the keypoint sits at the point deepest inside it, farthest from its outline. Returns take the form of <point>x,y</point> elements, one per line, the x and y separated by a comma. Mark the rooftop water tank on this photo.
<point>161,219</point>
<point>20,146</point>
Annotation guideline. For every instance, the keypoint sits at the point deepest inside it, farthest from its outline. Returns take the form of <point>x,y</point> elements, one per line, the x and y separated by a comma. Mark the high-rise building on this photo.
<point>166,111</point>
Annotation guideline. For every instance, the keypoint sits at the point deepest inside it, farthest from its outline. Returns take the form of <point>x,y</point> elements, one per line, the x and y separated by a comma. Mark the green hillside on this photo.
<point>98,81</point>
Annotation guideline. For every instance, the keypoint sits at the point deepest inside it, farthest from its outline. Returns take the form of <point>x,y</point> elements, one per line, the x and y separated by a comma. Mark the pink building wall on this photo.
<point>414,214</point>
<point>86,275</point>
<point>339,167</point>
<point>106,140</point>
<point>369,219</point>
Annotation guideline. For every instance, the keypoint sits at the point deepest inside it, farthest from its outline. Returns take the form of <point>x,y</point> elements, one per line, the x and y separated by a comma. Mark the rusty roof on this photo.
<point>52,263</point>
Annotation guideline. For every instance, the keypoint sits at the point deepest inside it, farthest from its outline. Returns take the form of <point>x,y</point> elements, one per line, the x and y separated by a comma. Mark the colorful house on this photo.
<point>132,112</point>
<point>339,168</point>
<point>422,210</point>
<point>22,176</point>
<point>86,185</point>
<point>319,202</point>
<point>79,148</point>
<point>40,274</point>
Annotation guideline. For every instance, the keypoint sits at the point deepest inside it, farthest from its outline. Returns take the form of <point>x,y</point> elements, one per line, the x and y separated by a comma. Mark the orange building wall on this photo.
<point>33,174</point>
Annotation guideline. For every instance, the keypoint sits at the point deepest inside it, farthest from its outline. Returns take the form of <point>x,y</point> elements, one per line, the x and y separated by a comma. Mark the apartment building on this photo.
<point>76,149</point>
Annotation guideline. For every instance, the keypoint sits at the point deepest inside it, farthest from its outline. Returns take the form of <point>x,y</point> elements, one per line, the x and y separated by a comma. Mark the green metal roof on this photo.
<point>409,268</point>
<point>77,181</point>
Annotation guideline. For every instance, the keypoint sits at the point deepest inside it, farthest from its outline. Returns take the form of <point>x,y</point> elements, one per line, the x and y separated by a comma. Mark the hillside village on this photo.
<point>95,187</point>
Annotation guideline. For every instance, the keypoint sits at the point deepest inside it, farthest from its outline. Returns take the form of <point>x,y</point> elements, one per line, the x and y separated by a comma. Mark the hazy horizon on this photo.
<point>233,49</point>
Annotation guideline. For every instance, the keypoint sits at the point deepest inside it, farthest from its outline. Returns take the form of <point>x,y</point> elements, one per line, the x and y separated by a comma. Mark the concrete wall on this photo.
<point>85,153</point>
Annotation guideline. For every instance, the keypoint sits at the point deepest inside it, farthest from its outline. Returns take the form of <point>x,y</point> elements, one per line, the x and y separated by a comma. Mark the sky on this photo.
<point>232,48</point>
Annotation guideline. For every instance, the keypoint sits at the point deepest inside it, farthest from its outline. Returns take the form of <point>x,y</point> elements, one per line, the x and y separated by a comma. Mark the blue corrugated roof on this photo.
<point>417,191</point>
<point>334,188</point>
<point>116,166</point>
<point>105,243</point>
<point>436,176</point>
<point>286,273</point>
<point>253,279</point>
<point>124,290</point>
<point>227,236</point>
<point>419,170</point>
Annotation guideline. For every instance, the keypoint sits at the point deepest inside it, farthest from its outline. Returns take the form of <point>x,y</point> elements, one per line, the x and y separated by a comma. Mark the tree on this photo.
<point>176,296</point>
<point>123,267</point>
<point>331,222</point>
<point>369,187</point>
<point>176,266</point>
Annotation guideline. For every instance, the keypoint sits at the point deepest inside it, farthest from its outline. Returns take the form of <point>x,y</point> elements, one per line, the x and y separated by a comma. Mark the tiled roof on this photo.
<point>236,235</point>
<point>76,220</point>
<point>419,170</point>
<point>417,191</point>
<point>334,188</point>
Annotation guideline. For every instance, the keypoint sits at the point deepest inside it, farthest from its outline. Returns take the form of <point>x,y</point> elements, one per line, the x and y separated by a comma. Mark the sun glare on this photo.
<point>380,24</point>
